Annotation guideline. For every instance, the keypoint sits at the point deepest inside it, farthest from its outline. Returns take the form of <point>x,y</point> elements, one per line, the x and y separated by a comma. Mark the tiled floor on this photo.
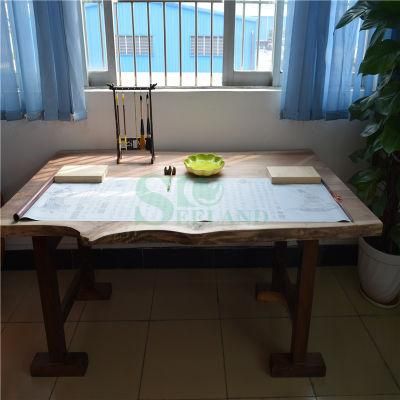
<point>199,334</point>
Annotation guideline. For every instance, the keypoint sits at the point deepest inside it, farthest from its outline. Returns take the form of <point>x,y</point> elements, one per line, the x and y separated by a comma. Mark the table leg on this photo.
<point>298,362</point>
<point>57,361</point>
<point>276,291</point>
<point>89,288</point>
<point>279,266</point>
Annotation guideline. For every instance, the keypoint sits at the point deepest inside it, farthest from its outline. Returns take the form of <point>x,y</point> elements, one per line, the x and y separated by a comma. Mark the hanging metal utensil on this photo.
<point>124,140</point>
<point>135,126</point>
<point>142,140</point>
<point>117,125</point>
<point>148,133</point>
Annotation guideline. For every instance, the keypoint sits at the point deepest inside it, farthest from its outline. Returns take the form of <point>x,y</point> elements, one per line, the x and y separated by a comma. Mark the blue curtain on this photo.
<point>320,65</point>
<point>42,71</point>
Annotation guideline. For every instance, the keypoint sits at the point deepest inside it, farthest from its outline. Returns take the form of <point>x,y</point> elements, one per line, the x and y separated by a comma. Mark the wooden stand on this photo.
<point>58,361</point>
<point>150,144</point>
<point>298,298</point>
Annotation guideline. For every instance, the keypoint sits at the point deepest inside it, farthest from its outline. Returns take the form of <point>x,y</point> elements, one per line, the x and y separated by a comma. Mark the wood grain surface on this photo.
<point>250,164</point>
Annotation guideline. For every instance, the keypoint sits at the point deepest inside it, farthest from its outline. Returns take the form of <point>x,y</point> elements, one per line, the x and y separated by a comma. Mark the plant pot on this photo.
<point>379,274</point>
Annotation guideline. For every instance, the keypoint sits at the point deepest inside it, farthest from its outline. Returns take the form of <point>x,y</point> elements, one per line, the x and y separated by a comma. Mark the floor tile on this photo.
<point>14,286</point>
<point>237,300</point>
<point>116,351</point>
<point>186,275</point>
<point>354,366</point>
<point>30,308</point>
<point>237,288</point>
<point>329,297</point>
<point>348,279</point>
<point>384,397</point>
<point>282,398</point>
<point>20,342</point>
<point>248,344</point>
<point>184,360</point>
<point>236,294</point>
<point>185,300</point>
<point>243,274</point>
<point>132,292</point>
<point>386,334</point>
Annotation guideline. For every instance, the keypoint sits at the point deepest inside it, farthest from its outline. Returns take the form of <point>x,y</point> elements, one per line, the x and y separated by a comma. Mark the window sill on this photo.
<point>190,89</point>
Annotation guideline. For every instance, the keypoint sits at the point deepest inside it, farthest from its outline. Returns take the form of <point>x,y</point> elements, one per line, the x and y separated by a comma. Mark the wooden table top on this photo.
<point>249,164</point>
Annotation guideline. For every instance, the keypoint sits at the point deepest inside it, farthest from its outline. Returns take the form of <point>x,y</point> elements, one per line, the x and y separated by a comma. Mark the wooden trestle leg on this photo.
<point>299,299</point>
<point>58,361</point>
<point>90,289</point>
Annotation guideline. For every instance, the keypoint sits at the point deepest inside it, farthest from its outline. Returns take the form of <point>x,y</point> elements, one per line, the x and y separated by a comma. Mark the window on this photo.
<point>94,36</point>
<point>204,45</point>
<point>209,43</point>
<point>141,45</point>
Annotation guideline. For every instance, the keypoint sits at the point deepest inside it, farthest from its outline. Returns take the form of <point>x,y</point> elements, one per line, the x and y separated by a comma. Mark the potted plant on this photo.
<point>378,182</point>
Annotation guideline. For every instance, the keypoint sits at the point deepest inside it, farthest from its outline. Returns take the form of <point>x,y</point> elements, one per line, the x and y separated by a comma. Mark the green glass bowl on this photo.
<point>204,164</point>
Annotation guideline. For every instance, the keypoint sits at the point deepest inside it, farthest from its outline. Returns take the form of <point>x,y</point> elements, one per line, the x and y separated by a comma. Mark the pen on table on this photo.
<point>170,171</point>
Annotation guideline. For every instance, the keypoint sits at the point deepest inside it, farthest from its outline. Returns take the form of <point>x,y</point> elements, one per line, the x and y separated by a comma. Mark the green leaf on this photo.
<point>394,106</point>
<point>370,21</point>
<point>391,7</point>
<point>358,113</point>
<point>395,235</point>
<point>357,155</point>
<point>380,16</point>
<point>372,147</point>
<point>391,135</point>
<point>377,35</point>
<point>384,80</point>
<point>398,187</point>
<point>379,203</point>
<point>367,192</point>
<point>368,151</point>
<point>370,129</point>
<point>388,101</point>
<point>352,13</point>
<point>368,102</point>
<point>360,108</point>
<point>390,89</point>
<point>376,145</point>
<point>366,176</point>
<point>380,58</point>
<point>388,12</point>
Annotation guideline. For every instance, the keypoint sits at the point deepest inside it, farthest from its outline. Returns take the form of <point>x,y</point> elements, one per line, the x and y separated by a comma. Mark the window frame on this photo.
<point>230,77</point>
<point>102,77</point>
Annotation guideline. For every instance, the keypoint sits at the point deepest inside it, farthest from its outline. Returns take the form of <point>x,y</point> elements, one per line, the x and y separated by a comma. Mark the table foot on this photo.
<point>74,364</point>
<point>282,365</point>
<point>99,291</point>
<point>265,294</point>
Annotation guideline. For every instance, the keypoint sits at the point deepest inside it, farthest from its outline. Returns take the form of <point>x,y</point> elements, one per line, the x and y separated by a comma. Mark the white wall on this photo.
<point>187,120</point>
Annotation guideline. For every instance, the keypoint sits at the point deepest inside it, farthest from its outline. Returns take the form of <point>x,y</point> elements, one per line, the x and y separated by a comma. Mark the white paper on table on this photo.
<point>190,199</point>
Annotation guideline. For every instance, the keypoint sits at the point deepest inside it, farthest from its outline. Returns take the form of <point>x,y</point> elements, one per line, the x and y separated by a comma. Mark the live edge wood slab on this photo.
<point>297,296</point>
